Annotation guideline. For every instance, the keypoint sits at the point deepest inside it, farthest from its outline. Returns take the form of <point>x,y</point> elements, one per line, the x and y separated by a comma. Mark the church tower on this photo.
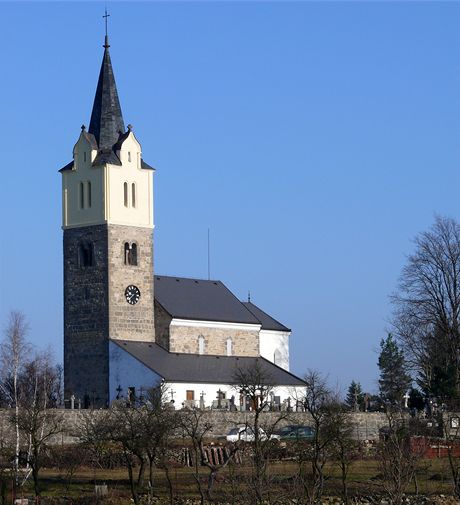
<point>107,218</point>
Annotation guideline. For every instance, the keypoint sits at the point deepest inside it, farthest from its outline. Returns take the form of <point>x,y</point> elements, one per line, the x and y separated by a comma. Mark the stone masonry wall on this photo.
<point>86,317</point>
<point>185,339</point>
<point>162,322</point>
<point>130,322</point>
<point>366,425</point>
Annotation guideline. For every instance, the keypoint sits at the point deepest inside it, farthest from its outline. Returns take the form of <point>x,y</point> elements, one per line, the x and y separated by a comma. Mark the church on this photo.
<point>126,328</point>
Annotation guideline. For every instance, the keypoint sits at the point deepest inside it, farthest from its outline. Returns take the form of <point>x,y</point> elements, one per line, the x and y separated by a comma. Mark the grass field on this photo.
<point>364,479</point>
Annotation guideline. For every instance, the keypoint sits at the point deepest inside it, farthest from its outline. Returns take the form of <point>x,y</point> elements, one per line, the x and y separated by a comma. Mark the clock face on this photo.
<point>132,294</point>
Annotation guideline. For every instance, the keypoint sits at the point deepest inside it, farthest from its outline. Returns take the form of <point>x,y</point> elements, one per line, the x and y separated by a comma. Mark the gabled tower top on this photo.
<point>106,118</point>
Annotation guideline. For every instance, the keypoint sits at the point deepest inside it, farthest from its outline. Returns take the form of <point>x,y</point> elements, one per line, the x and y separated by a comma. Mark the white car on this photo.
<point>246,434</point>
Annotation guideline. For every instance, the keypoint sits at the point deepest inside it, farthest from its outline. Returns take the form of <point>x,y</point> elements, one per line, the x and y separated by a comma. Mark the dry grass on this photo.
<point>364,479</point>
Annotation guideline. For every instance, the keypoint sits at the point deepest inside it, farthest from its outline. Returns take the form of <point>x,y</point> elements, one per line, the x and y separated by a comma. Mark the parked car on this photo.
<point>296,432</point>
<point>246,434</point>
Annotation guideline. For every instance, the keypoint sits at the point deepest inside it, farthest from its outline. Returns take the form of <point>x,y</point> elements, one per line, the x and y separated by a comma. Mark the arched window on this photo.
<point>130,254</point>
<point>133,194</point>
<point>133,255</point>
<point>126,253</point>
<point>85,255</point>
<point>129,156</point>
<point>84,156</point>
<point>125,193</point>
<point>201,344</point>
<point>229,346</point>
<point>89,194</point>
<point>82,195</point>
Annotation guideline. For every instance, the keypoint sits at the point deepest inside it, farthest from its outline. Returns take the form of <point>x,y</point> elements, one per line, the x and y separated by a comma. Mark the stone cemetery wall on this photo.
<point>366,425</point>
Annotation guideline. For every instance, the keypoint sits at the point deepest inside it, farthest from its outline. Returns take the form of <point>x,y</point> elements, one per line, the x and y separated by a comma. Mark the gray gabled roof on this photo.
<point>106,156</point>
<point>268,322</point>
<point>175,367</point>
<point>106,117</point>
<point>145,165</point>
<point>69,166</point>
<point>200,300</point>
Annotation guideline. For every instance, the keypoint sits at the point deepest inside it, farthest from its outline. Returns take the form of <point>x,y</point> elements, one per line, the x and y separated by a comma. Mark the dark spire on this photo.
<point>106,118</point>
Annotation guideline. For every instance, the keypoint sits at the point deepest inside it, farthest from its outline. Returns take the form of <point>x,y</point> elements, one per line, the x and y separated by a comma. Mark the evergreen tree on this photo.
<point>355,396</point>
<point>394,380</point>
<point>416,399</point>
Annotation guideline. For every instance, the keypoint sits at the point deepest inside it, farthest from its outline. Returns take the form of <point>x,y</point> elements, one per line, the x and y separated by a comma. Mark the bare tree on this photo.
<point>159,423</point>
<point>451,431</point>
<point>255,384</point>
<point>427,309</point>
<point>35,419</point>
<point>196,428</point>
<point>397,459</point>
<point>312,456</point>
<point>141,428</point>
<point>344,449</point>
<point>124,424</point>
<point>14,353</point>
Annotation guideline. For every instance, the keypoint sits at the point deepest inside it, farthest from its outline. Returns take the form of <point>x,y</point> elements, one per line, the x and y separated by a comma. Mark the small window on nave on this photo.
<point>201,344</point>
<point>229,346</point>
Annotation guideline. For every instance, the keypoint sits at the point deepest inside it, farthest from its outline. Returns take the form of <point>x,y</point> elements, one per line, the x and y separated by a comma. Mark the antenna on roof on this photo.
<point>249,296</point>
<point>209,256</point>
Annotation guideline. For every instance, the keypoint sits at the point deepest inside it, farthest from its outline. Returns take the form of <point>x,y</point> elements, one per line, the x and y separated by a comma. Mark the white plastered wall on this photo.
<point>126,372</point>
<point>274,346</point>
<point>83,172</point>
<point>178,392</point>
<point>140,214</point>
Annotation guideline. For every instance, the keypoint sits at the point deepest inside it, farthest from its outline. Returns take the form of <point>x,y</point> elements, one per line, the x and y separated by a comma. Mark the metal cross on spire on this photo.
<point>106,16</point>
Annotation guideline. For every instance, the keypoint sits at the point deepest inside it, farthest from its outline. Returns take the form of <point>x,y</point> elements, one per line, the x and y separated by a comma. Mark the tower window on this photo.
<point>85,255</point>
<point>89,194</point>
<point>201,344</point>
<point>229,346</point>
<point>133,256</point>
<point>125,194</point>
<point>133,194</point>
<point>129,156</point>
<point>84,156</point>
<point>82,195</point>
<point>130,254</point>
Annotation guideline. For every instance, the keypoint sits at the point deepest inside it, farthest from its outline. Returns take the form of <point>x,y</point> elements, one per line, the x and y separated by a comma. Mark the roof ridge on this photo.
<point>246,303</point>
<point>188,278</point>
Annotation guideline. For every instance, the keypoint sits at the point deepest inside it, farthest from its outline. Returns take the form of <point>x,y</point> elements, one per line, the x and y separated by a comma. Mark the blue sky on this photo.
<point>314,139</point>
